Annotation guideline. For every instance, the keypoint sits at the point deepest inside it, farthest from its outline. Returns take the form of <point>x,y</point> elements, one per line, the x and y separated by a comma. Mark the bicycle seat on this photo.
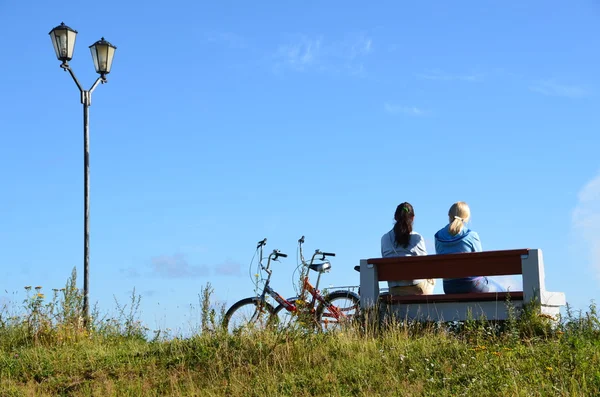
<point>320,267</point>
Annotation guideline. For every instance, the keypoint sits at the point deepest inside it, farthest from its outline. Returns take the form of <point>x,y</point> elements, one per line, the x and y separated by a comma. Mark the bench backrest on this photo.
<point>527,262</point>
<point>488,263</point>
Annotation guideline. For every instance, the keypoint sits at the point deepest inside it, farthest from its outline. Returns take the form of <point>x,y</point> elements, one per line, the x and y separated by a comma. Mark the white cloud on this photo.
<point>130,272</point>
<point>176,266</point>
<point>318,54</point>
<point>228,268</point>
<point>300,54</point>
<point>444,76</point>
<point>400,109</point>
<point>552,88</point>
<point>586,220</point>
<point>361,46</point>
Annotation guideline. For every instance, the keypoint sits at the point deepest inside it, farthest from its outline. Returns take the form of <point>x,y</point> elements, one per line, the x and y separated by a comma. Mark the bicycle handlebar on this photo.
<point>276,254</point>
<point>262,243</point>
<point>327,254</point>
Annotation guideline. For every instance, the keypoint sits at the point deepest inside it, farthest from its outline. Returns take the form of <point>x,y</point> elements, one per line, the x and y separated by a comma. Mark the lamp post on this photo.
<point>63,39</point>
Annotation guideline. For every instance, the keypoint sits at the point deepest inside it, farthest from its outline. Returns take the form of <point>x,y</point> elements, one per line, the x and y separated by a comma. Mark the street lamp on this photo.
<point>63,40</point>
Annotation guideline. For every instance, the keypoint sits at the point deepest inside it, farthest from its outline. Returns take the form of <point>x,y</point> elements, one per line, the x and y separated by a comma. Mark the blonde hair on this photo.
<point>459,214</point>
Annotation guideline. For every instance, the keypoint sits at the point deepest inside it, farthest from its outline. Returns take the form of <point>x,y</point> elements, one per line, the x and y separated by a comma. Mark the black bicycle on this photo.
<point>255,312</point>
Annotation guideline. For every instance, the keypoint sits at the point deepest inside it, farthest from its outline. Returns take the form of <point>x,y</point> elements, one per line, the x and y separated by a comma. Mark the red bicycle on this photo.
<point>312,308</point>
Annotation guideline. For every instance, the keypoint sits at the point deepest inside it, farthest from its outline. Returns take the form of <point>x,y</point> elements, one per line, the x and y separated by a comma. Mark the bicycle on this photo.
<point>332,310</point>
<point>255,311</point>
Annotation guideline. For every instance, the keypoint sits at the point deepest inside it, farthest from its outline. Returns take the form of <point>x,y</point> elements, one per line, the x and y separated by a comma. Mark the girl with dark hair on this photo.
<point>402,241</point>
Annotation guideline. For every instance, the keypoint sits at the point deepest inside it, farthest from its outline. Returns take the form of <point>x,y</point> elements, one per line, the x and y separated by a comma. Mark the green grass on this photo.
<point>44,351</point>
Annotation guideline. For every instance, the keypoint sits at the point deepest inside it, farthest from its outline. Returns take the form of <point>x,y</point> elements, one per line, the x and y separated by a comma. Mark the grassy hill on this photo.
<point>45,351</point>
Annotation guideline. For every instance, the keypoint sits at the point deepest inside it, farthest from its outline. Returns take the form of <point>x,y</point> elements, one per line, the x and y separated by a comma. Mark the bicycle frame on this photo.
<point>308,287</point>
<point>267,288</point>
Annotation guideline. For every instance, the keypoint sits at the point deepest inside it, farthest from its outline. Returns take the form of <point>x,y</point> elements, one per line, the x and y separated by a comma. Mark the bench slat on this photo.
<point>439,298</point>
<point>488,263</point>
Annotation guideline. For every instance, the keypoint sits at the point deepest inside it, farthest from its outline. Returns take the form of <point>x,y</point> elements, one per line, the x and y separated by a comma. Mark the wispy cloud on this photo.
<point>305,53</point>
<point>360,46</point>
<point>586,220</point>
<point>552,88</point>
<point>301,54</point>
<point>401,109</point>
<point>445,76</point>
<point>130,272</point>
<point>228,268</point>
<point>176,266</point>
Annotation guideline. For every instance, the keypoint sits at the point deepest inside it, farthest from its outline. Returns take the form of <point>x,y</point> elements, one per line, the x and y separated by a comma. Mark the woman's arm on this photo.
<point>438,247</point>
<point>420,248</point>
<point>476,242</point>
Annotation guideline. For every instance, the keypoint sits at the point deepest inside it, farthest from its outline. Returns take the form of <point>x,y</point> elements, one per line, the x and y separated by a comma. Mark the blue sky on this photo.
<point>226,122</point>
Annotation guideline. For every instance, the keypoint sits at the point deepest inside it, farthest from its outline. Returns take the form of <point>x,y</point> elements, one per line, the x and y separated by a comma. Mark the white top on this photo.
<point>389,248</point>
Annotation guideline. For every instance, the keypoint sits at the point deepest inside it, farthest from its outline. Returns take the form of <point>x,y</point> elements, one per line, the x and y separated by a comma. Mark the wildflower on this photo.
<point>40,296</point>
<point>402,357</point>
<point>28,287</point>
<point>463,365</point>
<point>39,287</point>
<point>549,369</point>
<point>411,370</point>
<point>497,353</point>
<point>544,315</point>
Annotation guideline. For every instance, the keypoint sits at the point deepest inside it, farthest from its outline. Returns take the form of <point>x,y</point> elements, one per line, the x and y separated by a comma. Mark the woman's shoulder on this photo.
<point>441,233</point>
<point>388,234</point>
<point>472,234</point>
<point>416,236</point>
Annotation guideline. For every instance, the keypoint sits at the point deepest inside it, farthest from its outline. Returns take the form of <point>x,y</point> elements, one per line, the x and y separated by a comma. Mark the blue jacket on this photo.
<point>465,241</point>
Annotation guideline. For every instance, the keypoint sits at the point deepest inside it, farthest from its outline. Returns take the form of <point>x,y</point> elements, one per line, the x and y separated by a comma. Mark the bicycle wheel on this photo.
<point>249,313</point>
<point>292,319</point>
<point>342,309</point>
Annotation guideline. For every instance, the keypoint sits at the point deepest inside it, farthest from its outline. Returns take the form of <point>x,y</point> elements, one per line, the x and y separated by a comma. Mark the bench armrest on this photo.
<point>553,299</point>
<point>369,285</point>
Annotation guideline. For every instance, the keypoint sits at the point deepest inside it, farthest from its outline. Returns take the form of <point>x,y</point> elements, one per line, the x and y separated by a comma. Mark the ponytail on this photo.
<point>459,213</point>
<point>404,224</point>
<point>456,226</point>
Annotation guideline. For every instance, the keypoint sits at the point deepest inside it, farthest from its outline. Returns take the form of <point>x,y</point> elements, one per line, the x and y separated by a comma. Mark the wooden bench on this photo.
<point>450,307</point>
